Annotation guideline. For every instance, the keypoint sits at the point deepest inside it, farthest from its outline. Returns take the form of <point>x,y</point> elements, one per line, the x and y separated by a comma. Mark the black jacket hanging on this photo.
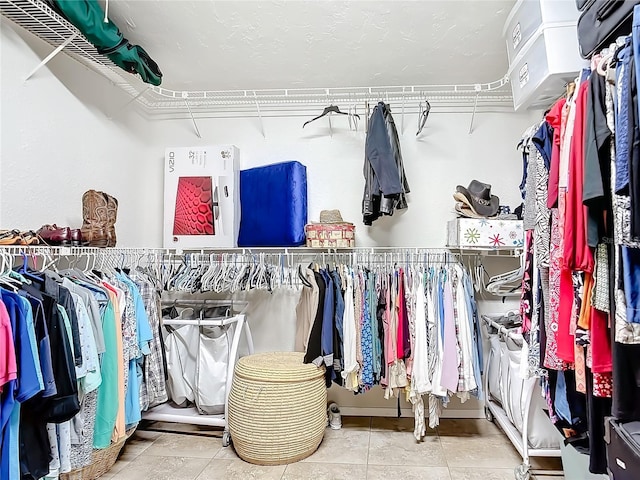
<point>385,181</point>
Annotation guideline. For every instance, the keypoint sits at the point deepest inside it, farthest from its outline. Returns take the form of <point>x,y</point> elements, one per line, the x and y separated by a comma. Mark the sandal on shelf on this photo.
<point>9,237</point>
<point>29,238</point>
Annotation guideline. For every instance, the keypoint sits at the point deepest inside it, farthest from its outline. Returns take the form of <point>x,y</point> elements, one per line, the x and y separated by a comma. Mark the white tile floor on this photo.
<point>365,448</point>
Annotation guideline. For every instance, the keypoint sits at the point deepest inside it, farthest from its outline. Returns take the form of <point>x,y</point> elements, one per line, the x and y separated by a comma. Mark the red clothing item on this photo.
<point>564,338</point>
<point>577,254</point>
<point>600,342</point>
<point>554,118</point>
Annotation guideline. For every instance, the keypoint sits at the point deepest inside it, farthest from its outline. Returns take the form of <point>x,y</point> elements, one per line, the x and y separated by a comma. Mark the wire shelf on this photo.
<point>38,18</point>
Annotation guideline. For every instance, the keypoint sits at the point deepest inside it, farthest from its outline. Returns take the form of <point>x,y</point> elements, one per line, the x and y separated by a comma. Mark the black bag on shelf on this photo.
<point>623,449</point>
<point>601,22</point>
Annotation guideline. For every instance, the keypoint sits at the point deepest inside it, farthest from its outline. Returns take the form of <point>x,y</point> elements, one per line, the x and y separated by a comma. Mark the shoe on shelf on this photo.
<point>76,237</point>
<point>9,237</point>
<point>29,237</point>
<point>54,235</point>
<point>96,212</point>
<point>335,419</point>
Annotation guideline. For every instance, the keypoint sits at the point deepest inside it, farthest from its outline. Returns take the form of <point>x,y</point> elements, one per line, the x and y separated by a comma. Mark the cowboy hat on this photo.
<point>477,196</point>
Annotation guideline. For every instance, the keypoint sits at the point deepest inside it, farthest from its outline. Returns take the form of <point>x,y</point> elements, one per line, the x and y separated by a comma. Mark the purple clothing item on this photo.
<point>450,358</point>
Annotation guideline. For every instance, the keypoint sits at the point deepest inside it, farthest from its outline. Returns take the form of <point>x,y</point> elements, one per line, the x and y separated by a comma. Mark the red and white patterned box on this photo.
<point>330,235</point>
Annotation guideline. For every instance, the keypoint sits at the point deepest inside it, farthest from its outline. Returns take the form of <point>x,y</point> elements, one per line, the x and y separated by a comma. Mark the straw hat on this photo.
<point>332,217</point>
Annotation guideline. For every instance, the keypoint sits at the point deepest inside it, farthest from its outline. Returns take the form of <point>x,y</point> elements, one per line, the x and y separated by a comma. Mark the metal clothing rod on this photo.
<point>204,302</point>
<point>204,322</point>
<point>501,328</point>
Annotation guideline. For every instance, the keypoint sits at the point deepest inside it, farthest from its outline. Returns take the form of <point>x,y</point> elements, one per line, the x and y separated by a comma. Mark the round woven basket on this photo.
<point>277,408</point>
<point>101,461</point>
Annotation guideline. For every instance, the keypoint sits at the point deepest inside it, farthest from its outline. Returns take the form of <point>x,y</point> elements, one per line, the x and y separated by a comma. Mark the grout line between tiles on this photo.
<point>203,469</point>
<point>366,470</point>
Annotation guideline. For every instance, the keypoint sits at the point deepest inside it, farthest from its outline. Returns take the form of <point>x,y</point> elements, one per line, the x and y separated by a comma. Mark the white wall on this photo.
<point>57,142</point>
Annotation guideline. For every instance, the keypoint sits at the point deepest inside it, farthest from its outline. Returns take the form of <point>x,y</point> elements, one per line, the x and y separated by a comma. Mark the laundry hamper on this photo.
<point>277,408</point>
<point>101,461</point>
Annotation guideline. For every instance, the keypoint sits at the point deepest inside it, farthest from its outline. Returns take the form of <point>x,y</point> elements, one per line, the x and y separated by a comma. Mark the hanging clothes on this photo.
<point>386,184</point>
<point>62,373</point>
<point>419,322</point>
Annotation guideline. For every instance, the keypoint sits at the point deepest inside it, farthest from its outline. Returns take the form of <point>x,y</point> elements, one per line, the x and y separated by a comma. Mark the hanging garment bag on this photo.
<point>601,22</point>
<point>623,449</point>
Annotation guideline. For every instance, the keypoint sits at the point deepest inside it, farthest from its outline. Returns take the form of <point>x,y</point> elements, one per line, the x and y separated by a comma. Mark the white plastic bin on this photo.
<point>529,16</point>
<point>545,64</point>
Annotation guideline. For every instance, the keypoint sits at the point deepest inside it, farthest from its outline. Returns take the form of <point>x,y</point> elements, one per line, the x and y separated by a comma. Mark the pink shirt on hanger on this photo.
<point>8,367</point>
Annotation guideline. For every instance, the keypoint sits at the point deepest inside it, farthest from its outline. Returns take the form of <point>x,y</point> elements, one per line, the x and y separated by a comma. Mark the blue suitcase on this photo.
<point>273,202</point>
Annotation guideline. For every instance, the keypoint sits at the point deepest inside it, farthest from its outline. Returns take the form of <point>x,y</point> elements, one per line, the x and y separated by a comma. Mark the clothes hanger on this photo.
<point>423,115</point>
<point>303,278</point>
<point>326,111</point>
<point>24,270</point>
<point>8,278</point>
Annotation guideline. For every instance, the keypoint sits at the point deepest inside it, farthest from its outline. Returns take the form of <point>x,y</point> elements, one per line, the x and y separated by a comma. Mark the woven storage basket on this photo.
<point>277,408</point>
<point>101,461</point>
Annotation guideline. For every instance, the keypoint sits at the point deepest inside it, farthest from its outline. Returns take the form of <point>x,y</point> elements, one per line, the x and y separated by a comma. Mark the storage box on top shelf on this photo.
<point>527,17</point>
<point>485,233</point>
<point>201,197</point>
<point>326,235</point>
<point>274,205</point>
<point>542,45</point>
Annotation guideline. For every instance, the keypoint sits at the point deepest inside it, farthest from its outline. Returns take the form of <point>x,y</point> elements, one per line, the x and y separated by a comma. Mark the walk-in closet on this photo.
<point>320,239</point>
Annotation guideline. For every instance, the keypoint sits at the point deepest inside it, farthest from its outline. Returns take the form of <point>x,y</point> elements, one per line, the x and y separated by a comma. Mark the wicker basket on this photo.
<point>277,408</point>
<point>101,461</point>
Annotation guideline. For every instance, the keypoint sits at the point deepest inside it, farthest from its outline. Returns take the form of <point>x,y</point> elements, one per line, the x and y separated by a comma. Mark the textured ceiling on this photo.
<point>222,45</point>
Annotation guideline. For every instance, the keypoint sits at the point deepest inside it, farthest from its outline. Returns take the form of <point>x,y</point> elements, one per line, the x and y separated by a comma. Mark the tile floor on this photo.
<point>365,448</point>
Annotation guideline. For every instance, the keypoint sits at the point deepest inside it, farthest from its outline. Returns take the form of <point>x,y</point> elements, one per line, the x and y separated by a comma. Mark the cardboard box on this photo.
<point>201,197</point>
<point>326,235</point>
<point>480,233</point>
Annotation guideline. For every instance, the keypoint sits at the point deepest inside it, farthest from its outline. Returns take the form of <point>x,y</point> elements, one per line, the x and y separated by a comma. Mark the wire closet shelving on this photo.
<point>41,20</point>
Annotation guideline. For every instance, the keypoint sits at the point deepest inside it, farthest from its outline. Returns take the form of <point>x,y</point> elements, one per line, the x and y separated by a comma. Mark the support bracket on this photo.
<point>57,50</point>
<point>478,89</point>
<point>255,97</point>
<point>133,99</point>
<point>193,119</point>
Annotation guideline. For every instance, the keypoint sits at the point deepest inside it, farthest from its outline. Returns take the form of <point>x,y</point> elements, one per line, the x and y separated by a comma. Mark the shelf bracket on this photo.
<point>193,119</point>
<point>478,88</point>
<point>403,102</point>
<point>255,97</point>
<point>133,99</point>
<point>58,49</point>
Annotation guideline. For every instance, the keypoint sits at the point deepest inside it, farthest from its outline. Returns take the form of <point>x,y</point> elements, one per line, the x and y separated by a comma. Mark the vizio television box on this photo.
<point>201,197</point>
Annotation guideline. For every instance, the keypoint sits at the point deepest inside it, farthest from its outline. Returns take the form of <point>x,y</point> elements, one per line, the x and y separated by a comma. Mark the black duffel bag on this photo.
<point>603,21</point>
